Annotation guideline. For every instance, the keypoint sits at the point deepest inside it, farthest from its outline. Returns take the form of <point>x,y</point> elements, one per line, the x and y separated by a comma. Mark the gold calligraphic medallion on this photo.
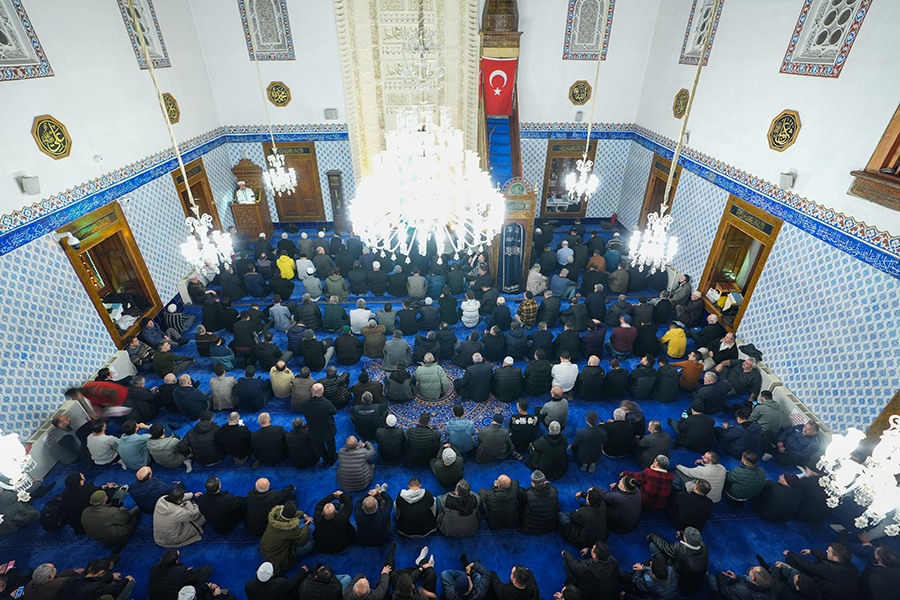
<point>51,137</point>
<point>278,93</point>
<point>679,105</point>
<point>784,130</point>
<point>580,93</point>
<point>172,110</point>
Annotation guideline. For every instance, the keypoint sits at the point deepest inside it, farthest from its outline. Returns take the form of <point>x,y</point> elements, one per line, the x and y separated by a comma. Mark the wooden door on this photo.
<point>304,203</point>
<point>734,250</point>
<point>656,187</point>
<point>200,190</point>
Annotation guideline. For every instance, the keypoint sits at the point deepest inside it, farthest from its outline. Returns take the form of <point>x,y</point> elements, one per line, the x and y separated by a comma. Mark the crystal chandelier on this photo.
<point>582,182</point>
<point>15,465</point>
<point>278,177</point>
<point>204,248</point>
<point>425,186</point>
<point>656,247</point>
<point>873,483</point>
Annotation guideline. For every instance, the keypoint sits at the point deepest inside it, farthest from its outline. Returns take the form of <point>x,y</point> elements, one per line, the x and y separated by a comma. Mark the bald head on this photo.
<point>317,389</point>
<point>144,473</point>
<point>170,378</point>
<point>262,485</point>
<point>264,419</point>
<point>370,505</point>
<point>503,482</point>
<point>361,588</point>
<point>593,361</point>
<point>329,511</point>
<point>351,443</point>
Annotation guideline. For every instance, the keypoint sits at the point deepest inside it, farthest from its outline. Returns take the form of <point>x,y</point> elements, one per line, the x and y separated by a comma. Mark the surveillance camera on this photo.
<point>73,241</point>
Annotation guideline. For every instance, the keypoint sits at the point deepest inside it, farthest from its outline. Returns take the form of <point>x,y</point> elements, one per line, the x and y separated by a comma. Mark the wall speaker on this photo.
<point>31,185</point>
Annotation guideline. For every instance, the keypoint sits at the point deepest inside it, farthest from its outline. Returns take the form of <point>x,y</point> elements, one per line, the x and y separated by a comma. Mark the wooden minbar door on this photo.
<point>338,202</point>
<point>304,203</point>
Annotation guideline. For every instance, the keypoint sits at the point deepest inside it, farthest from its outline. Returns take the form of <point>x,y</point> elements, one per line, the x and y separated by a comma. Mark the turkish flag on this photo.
<point>499,81</point>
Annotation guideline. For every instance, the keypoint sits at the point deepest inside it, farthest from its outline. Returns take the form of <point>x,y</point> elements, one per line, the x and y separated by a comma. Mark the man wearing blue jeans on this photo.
<point>471,584</point>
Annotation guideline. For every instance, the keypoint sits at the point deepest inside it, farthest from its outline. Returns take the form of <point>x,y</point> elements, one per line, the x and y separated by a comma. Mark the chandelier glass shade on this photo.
<point>205,248</point>
<point>581,183</point>
<point>872,483</point>
<point>426,186</point>
<point>15,465</point>
<point>655,247</point>
<point>277,176</point>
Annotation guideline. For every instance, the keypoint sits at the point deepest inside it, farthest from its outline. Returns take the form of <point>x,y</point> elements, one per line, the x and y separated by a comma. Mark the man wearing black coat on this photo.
<point>689,556</point>
<point>333,532</point>
<point>596,576</point>
<point>665,388</point>
<point>475,384</point>
<point>97,580</point>
<point>169,575</point>
<point>500,316</point>
<point>253,392</point>
<point>647,448</point>
<point>260,502</point>
<point>222,510</point>
<point>590,380</point>
<point>489,296</point>
<point>201,442</point>
<point>547,260</point>
<point>642,379</point>
<point>507,382</point>
<point>500,503</point>
<point>539,506</point>
<point>267,586</point>
<point>235,438</point>
<point>587,448</point>
<point>576,315</point>
<point>348,347</point>
<point>690,509</point>
<point>337,387</point>
<point>396,285</point>
<point>548,311</point>
<point>319,414</point>
<point>538,374</point>
<point>778,501</point>
<point>707,334</point>
<point>615,382</point>
<point>391,441</point>
<point>422,442</point>
<point>695,430</point>
<point>301,450</point>
<point>882,578</point>
<point>586,525</point>
<point>541,340</point>
<point>425,345</point>
<point>662,308</point>
<point>269,442</point>
<point>429,316</point>
<point>548,453</point>
<point>567,341</point>
<point>467,349</point>
<point>617,309</point>
<point>833,570</point>
<point>595,303</point>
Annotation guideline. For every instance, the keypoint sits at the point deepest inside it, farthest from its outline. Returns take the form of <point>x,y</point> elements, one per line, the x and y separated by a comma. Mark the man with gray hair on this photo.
<point>655,482</point>
<point>269,442</point>
<point>475,384</point>
<point>713,393</point>
<point>189,400</point>
<point>431,379</point>
<point>46,583</point>
<point>260,502</point>
<point>549,453</point>
<point>368,416</point>
<point>359,317</point>
<point>355,468</point>
<point>744,377</point>
<point>619,435</point>
<point>373,517</point>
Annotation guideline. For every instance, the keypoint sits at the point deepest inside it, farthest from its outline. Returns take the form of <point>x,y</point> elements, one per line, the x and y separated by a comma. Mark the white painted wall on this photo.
<point>98,91</point>
<point>544,77</point>
<point>741,91</point>
<point>314,77</point>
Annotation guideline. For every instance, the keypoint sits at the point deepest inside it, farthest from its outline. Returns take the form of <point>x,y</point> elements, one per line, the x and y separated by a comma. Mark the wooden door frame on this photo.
<point>657,172</point>
<point>729,219</point>
<point>315,168</point>
<point>196,173</point>
<point>91,230</point>
<point>565,149</point>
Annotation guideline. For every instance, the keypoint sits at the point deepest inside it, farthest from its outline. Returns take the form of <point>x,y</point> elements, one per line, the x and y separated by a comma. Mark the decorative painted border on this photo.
<point>692,60</point>
<point>158,63</point>
<point>245,23</point>
<point>864,242</point>
<point>568,54</point>
<point>791,67</point>
<point>28,71</point>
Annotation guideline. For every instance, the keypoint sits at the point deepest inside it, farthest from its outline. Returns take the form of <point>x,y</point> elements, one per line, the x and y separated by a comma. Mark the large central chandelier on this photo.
<point>872,483</point>
<point>204,248</point>
<point>426,186</point>
<point>655,247</point>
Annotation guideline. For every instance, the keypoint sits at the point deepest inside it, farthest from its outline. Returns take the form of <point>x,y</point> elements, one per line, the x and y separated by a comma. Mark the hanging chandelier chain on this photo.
<point>162,102</point>
<point>687,112</point>
<point>587,145</point>
<point>262,89</point>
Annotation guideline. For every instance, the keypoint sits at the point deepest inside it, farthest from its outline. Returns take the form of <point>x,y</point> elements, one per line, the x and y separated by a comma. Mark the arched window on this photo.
<point>584,38</point>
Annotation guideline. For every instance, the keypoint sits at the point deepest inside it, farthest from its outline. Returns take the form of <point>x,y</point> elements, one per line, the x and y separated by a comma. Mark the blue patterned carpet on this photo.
<point>733,536</point>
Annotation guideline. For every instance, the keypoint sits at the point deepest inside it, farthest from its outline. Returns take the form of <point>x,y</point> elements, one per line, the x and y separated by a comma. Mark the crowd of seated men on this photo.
<point>564,366</point>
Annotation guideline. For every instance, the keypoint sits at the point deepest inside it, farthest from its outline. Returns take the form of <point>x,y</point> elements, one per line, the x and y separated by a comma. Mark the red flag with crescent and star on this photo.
<point>499,81</point>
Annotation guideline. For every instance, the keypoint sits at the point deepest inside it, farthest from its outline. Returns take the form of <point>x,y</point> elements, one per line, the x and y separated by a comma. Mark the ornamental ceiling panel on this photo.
<point>375,69</point>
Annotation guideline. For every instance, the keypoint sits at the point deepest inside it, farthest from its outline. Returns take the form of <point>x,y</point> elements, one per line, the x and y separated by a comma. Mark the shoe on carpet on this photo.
<point>188,465</point>
<point>583,467</point>
<point>837,527</point>
<point>766,457</point>
<point>464,560</point>
<point>592,467</point>
<point>422,555</point>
